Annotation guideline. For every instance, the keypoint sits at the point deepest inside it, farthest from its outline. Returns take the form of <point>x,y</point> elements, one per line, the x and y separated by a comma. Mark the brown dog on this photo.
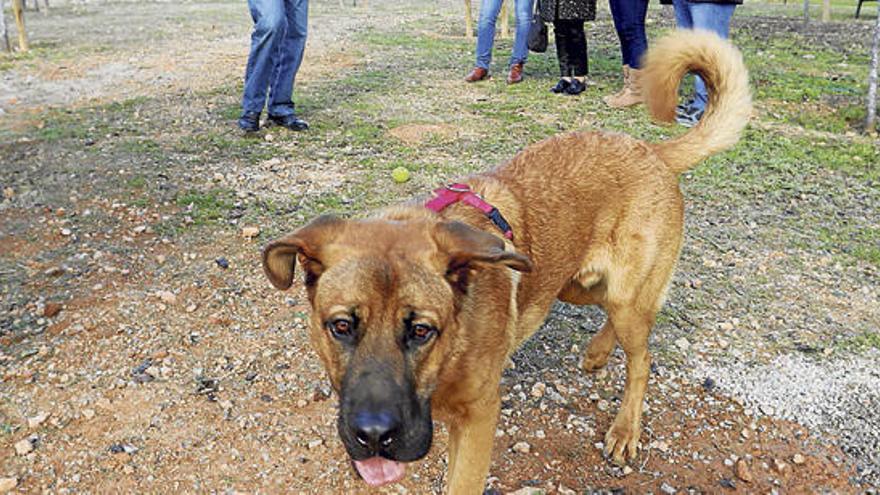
<point>415,312</point>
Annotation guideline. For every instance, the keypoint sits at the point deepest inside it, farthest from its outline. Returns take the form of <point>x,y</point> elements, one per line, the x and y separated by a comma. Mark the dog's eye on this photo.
<point>421,333</point>
<point>341,328</point>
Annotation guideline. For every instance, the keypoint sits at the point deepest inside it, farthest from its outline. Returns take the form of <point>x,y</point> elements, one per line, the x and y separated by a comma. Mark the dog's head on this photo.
<point>386,297</point>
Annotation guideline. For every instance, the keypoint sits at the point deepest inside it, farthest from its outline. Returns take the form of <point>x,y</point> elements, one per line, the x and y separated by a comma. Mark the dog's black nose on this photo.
<point>375,430</point>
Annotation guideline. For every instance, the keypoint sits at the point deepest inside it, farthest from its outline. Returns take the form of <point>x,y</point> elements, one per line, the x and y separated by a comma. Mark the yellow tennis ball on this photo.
<point>400,174</point>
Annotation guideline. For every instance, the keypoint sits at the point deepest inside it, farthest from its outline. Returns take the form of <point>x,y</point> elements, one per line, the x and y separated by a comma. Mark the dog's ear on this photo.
<point>280,255</point>
<point>468,248</point>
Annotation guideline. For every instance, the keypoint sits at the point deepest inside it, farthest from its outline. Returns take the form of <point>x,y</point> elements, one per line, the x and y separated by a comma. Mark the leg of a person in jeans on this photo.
<point>711,17</point>
<point>290,55</point>
<point>629,21</point>
<point>683,14</point>
<point>486,31</point>
<point>523,22</point>
<point>270,25</point>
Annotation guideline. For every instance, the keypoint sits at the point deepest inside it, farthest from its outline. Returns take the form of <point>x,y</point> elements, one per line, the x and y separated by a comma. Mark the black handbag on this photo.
<point>537,41</point>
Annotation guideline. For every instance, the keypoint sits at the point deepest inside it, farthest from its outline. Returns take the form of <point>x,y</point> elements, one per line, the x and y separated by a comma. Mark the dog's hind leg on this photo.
<point>632,305</point>
<point>631,329</point>
<point>602,344</point>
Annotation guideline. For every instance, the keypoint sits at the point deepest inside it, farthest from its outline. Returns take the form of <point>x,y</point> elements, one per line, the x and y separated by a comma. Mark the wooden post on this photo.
<point>870,119</point>
<point>4,31</point>
<point>18,13</point>
<point>806,11</point>
<point>505,19</point>
<point>37,5</point>
<point>826,10</point>
<point>468,20</point>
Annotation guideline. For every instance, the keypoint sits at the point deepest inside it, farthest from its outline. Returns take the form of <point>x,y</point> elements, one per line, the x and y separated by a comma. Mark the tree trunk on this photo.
<point>18,13</point>
<point>468,20</point>
<point>872,76</point>
<point>4,32</point>
<point>505,19</point>
<point>826,10</point>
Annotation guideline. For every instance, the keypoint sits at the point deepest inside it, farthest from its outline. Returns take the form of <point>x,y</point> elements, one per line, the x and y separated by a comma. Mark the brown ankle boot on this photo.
<point>631,93</point>
<point>516,74</point>
<point>478,74</point>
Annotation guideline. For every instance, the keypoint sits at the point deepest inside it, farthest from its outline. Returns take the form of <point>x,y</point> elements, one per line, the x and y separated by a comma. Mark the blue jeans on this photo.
<point>713,17</point>
<point>629,21</point>
<point>489,10</point>
<point>277,46</point>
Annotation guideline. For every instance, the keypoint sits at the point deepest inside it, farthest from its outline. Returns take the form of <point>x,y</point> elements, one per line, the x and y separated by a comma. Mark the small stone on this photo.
<point>160,259</point>
<point>37,420</point>
<point>55,271</point>
<point>167,297</point>
<point>683,343</point>
<point>8,193</point>
<point>727,483</point>
<point>540,434</point>
<point>745,433</point>
<point>250,232</point>
<point>798,459</point>
<point>522,448</point>
<point>225,405</point>
<point>8,484</point>
<point>743,471</point>
<point>302,403</point>
<point>667,488</point>
<point>627,470</point>
<point>66,232</point>
<point>128,469</point>
<point>538,390</point>
<point>564,490</point>
<point>779,466</point>
<point>314,444</point>
<point>24,447</point>
<point>88,413</point>
<point>528,490</point>
<point>725,326</point>
<point>660,445</point>
<point>192,308</point>
<point>51,310</point>
<point>222,262</point>
<point>153,371</point>
<point>602,405</point>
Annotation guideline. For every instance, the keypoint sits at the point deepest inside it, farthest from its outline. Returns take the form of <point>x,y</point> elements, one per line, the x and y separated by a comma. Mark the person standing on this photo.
<point>568,18</point>
<point>629,22</point>
<point>486,38</point>
<point>277,45</point>
<point>709,15</point>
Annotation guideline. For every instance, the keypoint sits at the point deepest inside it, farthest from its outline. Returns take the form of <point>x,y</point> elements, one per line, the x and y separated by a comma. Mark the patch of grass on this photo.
<point>136,182</point>
<point>859,343</point>
<point>206,206</point>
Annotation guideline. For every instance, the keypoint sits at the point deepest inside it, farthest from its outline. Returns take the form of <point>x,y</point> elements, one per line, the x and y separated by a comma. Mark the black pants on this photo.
<point>571,47</point>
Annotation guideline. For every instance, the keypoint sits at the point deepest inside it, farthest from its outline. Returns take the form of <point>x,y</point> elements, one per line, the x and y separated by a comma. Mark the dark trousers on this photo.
<point>571,47</point>
<point>629,21</point>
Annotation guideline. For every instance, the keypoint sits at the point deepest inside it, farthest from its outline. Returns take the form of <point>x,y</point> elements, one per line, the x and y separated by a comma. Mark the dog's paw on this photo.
<point>594,362</point>
<point>622,442</point>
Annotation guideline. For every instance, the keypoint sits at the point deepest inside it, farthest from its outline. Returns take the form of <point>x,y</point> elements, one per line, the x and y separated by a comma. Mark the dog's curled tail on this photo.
<point>721,66</point>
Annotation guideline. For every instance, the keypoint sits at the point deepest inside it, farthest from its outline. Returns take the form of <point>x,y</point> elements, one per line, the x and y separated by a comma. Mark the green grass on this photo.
<point>859,343</point>
<point>205,207</point>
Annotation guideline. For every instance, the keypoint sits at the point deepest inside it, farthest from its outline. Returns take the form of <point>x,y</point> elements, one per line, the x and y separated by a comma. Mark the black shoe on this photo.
<point>291,122</point>
<point>560,87</point>
<point>249,122</point>
<point>575,87</point>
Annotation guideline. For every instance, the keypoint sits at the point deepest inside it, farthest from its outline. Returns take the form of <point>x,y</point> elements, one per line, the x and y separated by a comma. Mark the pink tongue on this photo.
<point>378,471</point>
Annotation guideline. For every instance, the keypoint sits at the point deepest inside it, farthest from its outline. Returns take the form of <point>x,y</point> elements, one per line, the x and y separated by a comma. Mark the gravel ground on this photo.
<point>142,350</point>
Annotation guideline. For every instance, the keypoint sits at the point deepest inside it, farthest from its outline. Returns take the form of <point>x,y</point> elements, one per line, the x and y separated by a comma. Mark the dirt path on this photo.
<point>142,350</point>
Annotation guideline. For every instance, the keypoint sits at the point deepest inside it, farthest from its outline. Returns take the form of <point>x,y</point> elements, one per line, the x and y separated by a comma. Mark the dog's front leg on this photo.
<point>470,446</point>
